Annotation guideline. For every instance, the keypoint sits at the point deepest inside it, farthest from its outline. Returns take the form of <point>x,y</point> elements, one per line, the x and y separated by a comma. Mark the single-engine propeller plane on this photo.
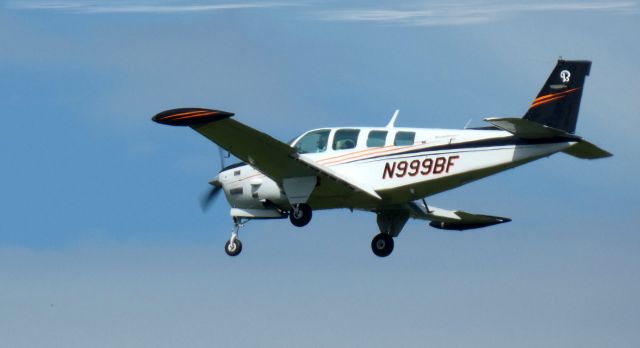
<point>389,171</point>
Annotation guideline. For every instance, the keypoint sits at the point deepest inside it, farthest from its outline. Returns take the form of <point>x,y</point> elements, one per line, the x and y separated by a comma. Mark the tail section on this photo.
<point>558,102</point>
<point>554,112</point>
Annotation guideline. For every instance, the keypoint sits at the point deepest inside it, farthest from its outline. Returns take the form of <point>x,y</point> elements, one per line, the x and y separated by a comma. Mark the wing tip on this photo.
<point>488,220</point>
<point>190,116</point>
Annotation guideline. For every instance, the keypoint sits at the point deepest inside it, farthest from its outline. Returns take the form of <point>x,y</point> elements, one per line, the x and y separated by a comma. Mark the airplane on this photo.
<point>389,170</point>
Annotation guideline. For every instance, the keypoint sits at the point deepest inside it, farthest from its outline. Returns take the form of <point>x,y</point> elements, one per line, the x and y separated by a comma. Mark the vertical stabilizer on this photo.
<point>558,102</point>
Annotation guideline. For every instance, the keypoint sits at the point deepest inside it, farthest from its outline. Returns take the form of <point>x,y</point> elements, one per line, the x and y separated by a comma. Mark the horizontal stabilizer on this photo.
<point>587,150</point>
<point>453,219</point>
<point>526,129</point>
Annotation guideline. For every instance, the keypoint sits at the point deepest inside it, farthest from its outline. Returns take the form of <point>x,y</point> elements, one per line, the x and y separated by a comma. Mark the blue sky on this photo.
<point>102,242</point>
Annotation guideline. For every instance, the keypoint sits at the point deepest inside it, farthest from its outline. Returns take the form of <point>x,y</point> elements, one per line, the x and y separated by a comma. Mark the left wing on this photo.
<point>272,157</point>
<point>450,219</point>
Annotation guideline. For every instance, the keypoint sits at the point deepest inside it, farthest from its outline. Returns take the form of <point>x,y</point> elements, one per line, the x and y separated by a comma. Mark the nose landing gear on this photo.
<point>233,247</point>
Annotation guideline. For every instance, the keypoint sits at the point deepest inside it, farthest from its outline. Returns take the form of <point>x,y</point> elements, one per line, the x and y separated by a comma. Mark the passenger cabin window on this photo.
<point>313,142</point>
<point>345,139</point>
<point>404,138</point>
<point>376,138</point>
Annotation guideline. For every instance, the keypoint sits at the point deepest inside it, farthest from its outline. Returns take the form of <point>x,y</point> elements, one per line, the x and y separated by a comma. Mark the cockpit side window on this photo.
<point>313,142</point>
<point>376,138</point>
<point>345,139</point>
<point>404,138</point>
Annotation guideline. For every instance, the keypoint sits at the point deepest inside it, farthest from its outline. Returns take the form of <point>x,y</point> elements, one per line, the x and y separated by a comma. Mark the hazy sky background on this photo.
<point>103,244</point>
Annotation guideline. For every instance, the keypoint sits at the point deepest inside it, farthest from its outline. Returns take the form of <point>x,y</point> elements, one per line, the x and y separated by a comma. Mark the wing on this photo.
<point>450,219</point>
<point>272,157</point>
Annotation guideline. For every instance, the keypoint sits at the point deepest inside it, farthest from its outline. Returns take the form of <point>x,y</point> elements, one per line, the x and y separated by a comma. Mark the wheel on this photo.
<point>301,216</point>
<point>233,249</point>
<point>382,245</point>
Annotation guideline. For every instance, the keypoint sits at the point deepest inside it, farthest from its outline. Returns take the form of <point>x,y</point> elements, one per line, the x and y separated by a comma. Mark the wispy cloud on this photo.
<point>469,13</point>
<point>138,7</point>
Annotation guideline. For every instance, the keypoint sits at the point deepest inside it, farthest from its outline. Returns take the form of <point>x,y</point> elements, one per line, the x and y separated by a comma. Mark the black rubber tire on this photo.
<point>303,217</point>
<point>235,250</point>
<point>382,245</point>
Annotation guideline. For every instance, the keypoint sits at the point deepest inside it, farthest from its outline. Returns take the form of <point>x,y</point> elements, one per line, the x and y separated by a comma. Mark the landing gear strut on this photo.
<point>300,214</point>
<point>233,247</point>
<point>382,245</point>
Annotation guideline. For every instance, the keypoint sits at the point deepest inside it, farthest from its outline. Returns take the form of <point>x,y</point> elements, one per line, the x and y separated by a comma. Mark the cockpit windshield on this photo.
<point>313,142</point>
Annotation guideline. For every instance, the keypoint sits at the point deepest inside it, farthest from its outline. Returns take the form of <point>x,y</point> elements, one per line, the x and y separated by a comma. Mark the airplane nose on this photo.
<point>216,181</point>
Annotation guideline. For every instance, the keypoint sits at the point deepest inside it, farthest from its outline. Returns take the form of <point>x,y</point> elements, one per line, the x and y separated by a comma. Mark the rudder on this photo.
<point>558,103</point>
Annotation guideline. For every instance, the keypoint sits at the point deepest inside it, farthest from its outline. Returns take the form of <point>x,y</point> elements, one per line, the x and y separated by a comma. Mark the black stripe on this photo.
<point>474,144</point>
<point>426,152</point>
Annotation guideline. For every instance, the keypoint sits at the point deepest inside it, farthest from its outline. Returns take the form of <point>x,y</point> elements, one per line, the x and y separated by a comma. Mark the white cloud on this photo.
<point>468,13</point>
<point>429,14</point>
<point>139,7</point>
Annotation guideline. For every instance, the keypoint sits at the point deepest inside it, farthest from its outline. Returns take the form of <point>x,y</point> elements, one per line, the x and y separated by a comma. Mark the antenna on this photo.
<point>467,124</point>
<point>392,122</point>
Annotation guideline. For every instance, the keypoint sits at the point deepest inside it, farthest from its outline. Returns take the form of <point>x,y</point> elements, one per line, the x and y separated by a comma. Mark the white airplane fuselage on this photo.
<point>438,160</point>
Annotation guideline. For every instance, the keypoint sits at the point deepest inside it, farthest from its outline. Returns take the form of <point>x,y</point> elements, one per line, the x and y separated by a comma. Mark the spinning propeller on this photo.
<point>210,196</point>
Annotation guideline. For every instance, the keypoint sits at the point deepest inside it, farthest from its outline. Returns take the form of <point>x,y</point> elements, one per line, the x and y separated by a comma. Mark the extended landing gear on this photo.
<point>300,214</point>
<point>382,245</point>
<point>233,247</point>
<point>390,223</point>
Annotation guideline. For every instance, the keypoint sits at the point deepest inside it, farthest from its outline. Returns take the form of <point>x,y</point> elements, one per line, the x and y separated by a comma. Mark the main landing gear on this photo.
<point>300,214</point>
<point>382,245</point>
<point>390,222</point>
<point>233,247</point>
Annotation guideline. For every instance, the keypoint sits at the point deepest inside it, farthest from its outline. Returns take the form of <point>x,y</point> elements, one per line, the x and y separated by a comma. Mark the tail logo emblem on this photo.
<point>565,75</point>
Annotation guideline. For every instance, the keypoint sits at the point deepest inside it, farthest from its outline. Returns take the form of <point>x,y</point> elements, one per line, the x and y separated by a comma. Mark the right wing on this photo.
<point>452,219</point>
<point>272,157</point>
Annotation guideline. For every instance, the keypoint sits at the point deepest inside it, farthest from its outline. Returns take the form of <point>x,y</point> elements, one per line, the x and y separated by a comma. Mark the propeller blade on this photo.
<point>209,197</point>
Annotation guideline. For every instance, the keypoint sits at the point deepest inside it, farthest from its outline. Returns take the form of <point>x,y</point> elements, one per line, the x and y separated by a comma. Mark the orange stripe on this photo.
<point>376,153</point>
<point>545,97</point>
<point>354,155</point>
<point>552,95</point>
<point>546,101</point>
<point>369,150</point>
<point>185,114</point>
<point>172,117</point>
<point>193,116</point>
